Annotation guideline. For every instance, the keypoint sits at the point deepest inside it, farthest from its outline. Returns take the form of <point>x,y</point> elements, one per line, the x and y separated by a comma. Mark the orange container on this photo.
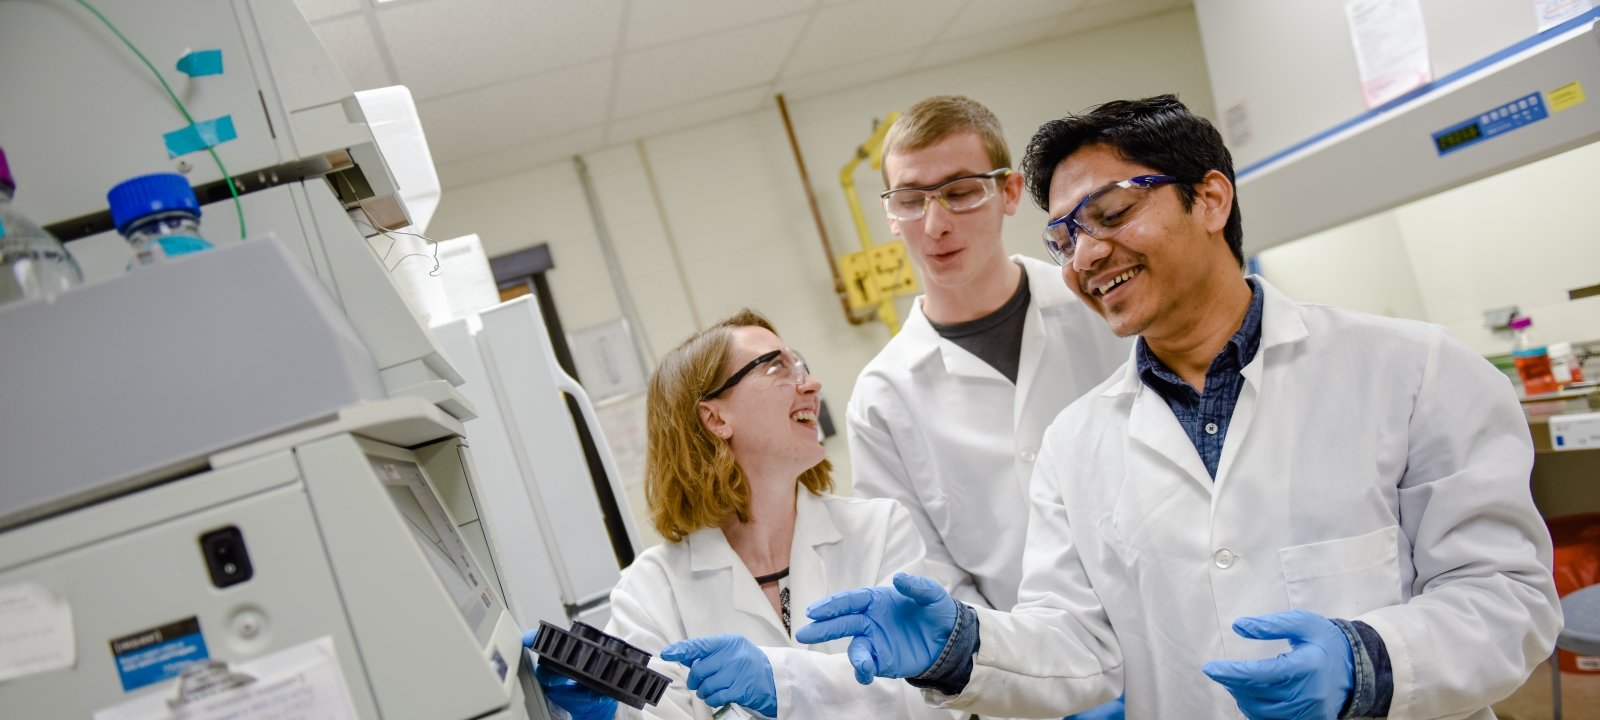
<point>1577,566</point>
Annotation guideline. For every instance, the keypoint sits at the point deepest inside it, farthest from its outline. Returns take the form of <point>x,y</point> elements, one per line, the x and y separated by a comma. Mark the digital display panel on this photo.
<point>1459,136</point>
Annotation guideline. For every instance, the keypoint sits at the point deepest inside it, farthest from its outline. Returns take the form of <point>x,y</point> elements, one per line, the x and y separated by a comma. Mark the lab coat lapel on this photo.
<point>1152,424</point>
<point>808,573</point>
<point>711,553</point>
<point>1281,325</point>
<point>957,361</point>
<point>1028,370</point>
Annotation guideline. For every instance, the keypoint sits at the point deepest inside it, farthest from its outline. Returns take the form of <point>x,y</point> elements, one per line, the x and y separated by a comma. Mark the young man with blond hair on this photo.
<point>948,417</point>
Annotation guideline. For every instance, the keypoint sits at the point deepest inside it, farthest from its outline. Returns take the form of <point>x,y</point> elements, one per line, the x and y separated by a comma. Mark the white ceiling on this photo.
<point>516,83</point>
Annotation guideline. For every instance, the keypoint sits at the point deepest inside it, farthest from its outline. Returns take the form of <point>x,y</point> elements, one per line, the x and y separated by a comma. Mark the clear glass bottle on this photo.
<point>34,262</point>
<point>159,216</point>
<point>1533,360</point>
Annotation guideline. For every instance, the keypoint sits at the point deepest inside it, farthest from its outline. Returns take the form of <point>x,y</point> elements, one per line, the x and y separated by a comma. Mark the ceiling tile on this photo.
<point>443,46</point>
<point>980,17</point>
<point>655,22</point>
<point>1100,13</point>
<point>521,157</point>
<point>319,9</point>
<point>984,43</point>
<point>846,34</point>
<point>668,75</point>
<point>355,50</point>
<point>827,81</point>
<point>485,120</point>
<point>687,115</point>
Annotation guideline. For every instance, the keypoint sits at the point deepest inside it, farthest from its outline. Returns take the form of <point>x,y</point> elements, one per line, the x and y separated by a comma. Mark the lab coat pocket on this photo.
<point>1346,577</point>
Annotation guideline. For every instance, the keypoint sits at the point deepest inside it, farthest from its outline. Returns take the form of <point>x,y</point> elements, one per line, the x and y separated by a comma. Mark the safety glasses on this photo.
<point>956,195</point>
<point>1101,214</point>
<point>781,365</point>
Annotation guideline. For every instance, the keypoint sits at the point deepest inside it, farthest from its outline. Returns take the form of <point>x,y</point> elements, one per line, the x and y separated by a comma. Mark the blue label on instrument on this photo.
<point>1510,116</point>
<point>158,654</point>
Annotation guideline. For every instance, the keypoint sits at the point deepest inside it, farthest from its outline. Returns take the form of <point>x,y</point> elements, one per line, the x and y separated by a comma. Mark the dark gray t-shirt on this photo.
<point>996,338</point>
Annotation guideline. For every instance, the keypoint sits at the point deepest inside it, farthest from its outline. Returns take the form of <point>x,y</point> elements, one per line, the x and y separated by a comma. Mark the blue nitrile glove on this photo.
<point>727,669</point>
<point>564,692</point>
<point>579,701</point>
<point>897,632</point>
<point>1312,680</point>
<point>1114,710</point>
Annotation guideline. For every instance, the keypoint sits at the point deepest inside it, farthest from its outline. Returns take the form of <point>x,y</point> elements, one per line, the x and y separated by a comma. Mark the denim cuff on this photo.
<point>1372,684</point>
<point>953,668</point>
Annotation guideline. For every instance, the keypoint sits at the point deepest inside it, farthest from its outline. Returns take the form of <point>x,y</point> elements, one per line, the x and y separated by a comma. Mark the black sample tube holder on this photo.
<point>600,662</point>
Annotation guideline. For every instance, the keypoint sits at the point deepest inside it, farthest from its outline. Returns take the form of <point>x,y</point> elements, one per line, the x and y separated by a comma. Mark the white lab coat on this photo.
<point>699,586</point>
<point>1375,470</point>
<point>944,433</point>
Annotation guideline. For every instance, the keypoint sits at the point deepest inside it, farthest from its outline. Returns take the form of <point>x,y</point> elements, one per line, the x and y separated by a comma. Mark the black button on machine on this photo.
<point>226,556</point>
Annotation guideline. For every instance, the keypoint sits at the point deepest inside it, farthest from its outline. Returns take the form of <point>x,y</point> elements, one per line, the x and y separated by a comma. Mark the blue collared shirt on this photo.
<point>1205,415</point>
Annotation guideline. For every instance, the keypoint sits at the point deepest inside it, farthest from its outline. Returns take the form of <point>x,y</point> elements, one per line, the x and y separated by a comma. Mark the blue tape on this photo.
<point>201,62</point>
<point>1590,16</point>
<point>199,136</point>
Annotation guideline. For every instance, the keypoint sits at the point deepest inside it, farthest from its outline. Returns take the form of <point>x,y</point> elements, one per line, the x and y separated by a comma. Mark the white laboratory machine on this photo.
<point>238,482</point>
<point>528,452</point>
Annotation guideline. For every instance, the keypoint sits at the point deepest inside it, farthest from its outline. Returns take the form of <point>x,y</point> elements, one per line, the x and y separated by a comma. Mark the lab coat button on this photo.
<point>1028,456</point>
<point>1211,428</point>
<point>1224,558</point>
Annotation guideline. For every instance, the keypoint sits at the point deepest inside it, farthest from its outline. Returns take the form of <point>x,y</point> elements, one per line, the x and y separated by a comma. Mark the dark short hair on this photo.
<point>1157,132</point>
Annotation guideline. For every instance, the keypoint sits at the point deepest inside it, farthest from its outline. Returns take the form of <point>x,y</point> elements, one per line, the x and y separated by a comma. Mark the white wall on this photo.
<point>1361,265</point>
<point>1523,237</point>
<point>733,227</point>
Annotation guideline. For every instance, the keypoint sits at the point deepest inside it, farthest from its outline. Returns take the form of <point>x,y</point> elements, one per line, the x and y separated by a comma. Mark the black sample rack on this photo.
<point>600,662</point>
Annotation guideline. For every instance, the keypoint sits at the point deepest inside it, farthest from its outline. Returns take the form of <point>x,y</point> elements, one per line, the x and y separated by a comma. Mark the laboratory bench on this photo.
<point>1564,481</point>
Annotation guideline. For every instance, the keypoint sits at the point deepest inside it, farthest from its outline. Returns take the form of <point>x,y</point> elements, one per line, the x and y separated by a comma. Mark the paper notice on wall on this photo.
<point>1391,47</point>
<point>1554,12</point>
<point>301,683</point>
<point>35,631</point>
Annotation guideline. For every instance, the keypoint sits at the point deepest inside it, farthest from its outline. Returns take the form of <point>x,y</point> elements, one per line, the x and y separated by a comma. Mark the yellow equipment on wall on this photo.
<point>879,272</point>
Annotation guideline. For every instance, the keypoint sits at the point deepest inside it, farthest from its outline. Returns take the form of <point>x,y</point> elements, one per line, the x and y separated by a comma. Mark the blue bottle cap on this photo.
<point>149,194</point>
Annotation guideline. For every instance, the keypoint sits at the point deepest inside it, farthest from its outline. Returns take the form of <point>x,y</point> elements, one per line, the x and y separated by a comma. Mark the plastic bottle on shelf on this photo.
<point>1564,364</point>
<point>1533,359</point>
<point>159,216</point>
<point>33,263</point>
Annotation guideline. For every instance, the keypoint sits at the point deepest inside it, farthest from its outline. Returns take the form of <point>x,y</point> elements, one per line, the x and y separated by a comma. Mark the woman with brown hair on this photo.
<point>738,483</point>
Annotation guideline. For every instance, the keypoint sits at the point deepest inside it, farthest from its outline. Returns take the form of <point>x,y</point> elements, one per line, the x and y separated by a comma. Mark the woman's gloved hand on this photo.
<point>579,702</point>
<point>1311,681</point>
<point>727,669</point>
<point>897,632</point>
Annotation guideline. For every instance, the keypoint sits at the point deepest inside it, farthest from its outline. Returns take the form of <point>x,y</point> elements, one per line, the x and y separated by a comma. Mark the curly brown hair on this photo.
<point>691,478</point>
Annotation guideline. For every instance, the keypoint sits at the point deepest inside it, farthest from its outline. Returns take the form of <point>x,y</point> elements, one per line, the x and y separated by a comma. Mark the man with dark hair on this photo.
<point>1261,471</point>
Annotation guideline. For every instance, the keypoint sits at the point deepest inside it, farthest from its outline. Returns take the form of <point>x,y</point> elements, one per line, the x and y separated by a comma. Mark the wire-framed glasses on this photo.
<point>957,195</point>
<point>1101,214</point>
<point>784,365</point>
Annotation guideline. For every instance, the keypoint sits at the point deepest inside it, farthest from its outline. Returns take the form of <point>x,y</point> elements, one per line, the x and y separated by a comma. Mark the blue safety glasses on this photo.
<point>1101,214</point>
